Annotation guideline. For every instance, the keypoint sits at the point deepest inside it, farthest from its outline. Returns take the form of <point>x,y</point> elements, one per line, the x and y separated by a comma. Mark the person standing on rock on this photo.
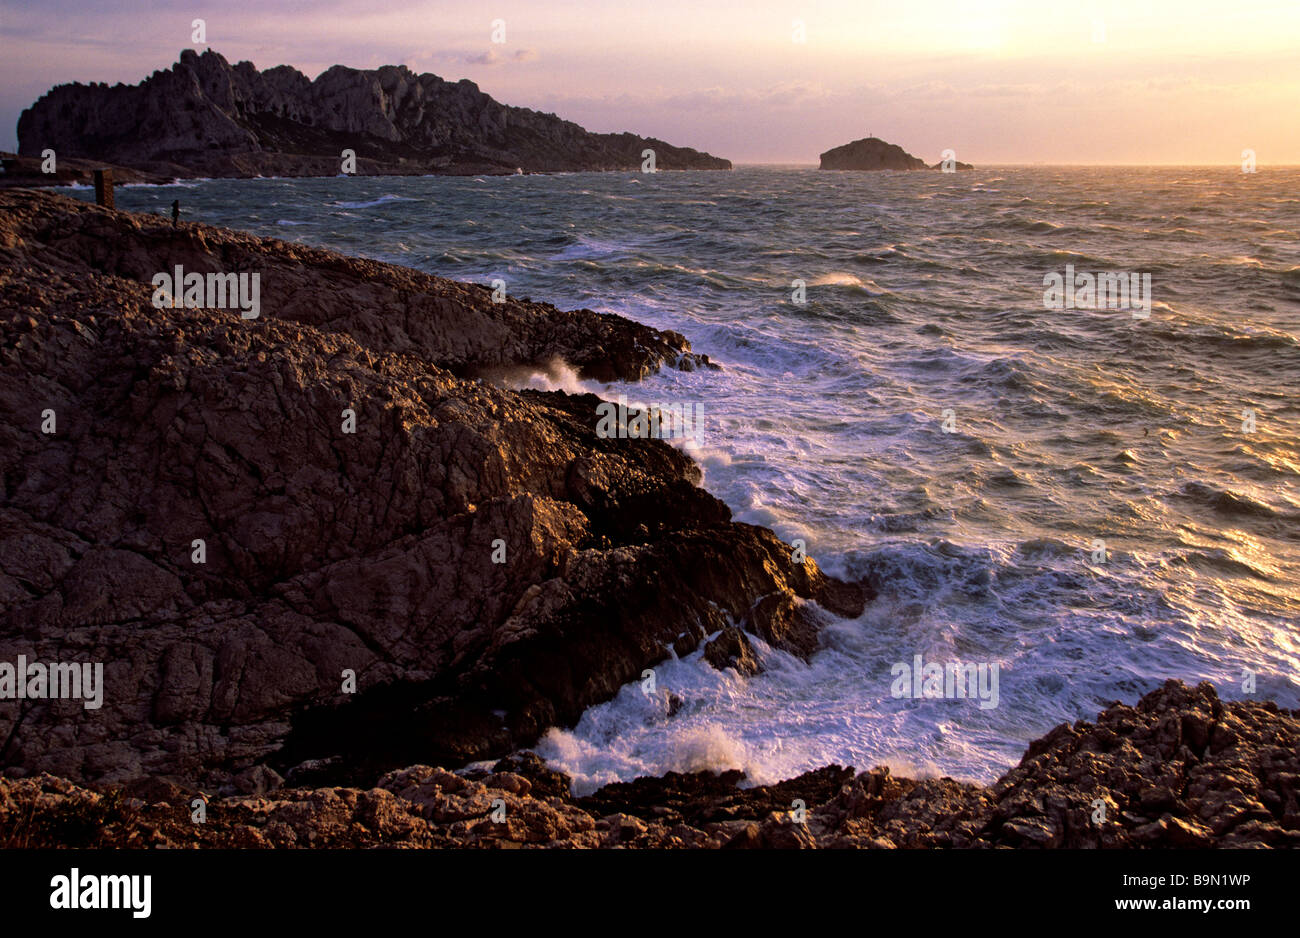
<point>176,211</point>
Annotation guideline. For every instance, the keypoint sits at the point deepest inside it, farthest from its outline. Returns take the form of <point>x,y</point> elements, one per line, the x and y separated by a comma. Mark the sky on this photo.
<point>759,81</point>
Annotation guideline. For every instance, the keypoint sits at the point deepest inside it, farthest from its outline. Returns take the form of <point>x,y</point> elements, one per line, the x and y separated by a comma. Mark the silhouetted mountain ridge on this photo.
<point>205,117</point>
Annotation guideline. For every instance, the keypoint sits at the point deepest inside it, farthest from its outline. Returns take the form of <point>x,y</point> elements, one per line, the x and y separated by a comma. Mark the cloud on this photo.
<point>490,57</point>
<point>786,94</point>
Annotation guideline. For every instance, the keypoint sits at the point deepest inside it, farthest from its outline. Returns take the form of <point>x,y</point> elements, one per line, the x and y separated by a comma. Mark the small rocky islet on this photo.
<point>872,153</point>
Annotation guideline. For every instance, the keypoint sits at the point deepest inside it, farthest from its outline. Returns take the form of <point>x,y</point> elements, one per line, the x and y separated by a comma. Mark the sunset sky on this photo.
<point>998,81</point>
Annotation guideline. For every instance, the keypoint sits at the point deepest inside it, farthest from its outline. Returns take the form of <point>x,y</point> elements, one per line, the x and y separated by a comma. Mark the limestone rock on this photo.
<point>206,117</point>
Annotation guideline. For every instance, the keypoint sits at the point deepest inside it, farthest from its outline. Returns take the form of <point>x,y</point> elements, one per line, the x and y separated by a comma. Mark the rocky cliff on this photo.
<point>1181,769</point>
<point>479,558</point>
<point>205,117</point>
<point>872,153</point>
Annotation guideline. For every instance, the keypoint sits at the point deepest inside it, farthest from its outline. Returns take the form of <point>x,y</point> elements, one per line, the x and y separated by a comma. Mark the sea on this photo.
<point>1086,498</point>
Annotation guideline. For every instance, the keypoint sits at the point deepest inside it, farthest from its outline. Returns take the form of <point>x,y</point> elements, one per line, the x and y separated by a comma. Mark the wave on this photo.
<point>844,279</point>
<point>1229,503</point>
<point>584,248</point>
<point>382,200</point>
<point>1218,562</point>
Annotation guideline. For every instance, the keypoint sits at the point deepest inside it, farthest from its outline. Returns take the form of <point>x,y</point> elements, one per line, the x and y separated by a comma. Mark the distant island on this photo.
<point>872,153</point>
<point>205,117</point>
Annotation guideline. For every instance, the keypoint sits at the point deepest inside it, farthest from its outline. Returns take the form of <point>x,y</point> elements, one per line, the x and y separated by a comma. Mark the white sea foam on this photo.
<point>558,376</point>
<point>370,203</point>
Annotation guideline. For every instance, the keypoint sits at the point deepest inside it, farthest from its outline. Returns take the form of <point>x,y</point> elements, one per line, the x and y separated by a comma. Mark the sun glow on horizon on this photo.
<point>999,81</point>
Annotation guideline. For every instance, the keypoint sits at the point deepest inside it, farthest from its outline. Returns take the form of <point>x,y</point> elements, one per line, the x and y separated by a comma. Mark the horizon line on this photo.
<point>1041,164</point>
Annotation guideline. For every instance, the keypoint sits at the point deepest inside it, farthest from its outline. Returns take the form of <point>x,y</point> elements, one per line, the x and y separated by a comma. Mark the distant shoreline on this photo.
<point>24,172</point>
<point>75,173</point>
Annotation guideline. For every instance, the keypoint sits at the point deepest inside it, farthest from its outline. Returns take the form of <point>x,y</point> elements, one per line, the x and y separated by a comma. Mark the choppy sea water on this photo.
<point>924,294</point>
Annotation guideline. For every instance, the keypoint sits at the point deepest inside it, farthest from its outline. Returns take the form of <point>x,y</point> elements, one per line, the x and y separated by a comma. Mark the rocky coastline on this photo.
<point>319,551</point>
<point>1180,770</point>
<point>329,541</point>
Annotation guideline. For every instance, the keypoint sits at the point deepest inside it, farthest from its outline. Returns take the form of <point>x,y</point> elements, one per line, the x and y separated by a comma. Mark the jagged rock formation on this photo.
<point>205,117</point>
<point>872,153</point>
<point>1181,769</point>
<point>371,551</point>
